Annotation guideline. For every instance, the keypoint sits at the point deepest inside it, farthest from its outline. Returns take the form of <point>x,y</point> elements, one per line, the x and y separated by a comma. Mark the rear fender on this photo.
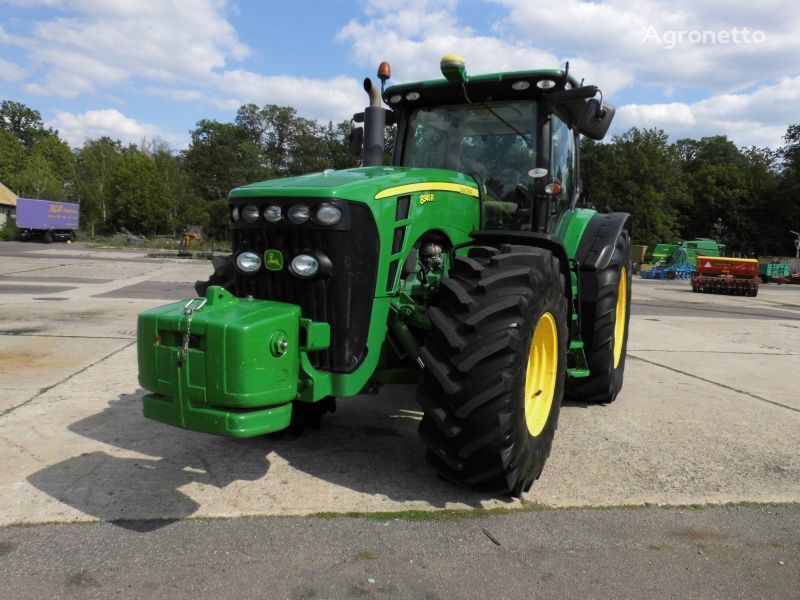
<point>599,239</point>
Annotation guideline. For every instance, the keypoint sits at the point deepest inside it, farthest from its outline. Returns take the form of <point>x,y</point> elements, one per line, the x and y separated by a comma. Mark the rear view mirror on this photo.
<point>355,141</point>
<point>595,119</point>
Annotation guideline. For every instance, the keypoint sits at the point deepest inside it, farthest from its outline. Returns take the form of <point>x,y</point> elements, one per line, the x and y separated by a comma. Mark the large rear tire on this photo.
<point>605,316</point>
<point>495,367</point>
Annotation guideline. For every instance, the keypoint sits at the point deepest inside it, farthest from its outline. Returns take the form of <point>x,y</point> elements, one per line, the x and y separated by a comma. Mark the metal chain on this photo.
<point>189,309</point>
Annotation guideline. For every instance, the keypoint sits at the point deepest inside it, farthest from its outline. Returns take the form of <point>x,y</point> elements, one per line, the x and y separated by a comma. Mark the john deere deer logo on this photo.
<point>273,260</point>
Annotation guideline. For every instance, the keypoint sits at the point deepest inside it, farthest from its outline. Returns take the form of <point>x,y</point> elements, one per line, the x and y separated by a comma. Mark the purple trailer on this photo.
<point>47,219</point>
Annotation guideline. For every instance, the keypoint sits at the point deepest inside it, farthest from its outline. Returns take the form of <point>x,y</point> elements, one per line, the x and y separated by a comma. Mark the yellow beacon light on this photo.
<point>453,68</point>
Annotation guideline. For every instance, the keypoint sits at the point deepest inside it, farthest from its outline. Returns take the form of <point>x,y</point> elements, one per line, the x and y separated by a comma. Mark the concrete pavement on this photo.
<point>717,552</point>
<point>707,414</point>
<point>129,508</point>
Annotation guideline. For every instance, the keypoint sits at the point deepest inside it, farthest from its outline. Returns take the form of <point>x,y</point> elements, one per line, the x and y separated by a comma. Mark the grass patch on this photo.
<point>447,514</point>
<point>659,547</point>
<point>367,555</point>
<point>8,232</point>
<point>461,514</point>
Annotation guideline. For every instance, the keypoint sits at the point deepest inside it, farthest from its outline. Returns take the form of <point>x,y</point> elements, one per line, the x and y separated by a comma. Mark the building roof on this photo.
<point>7,197</point>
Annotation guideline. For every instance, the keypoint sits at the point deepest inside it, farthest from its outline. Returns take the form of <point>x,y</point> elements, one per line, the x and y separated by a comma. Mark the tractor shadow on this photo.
<point>143,493</point>
<point>369,446</point>
<point>576,404</point>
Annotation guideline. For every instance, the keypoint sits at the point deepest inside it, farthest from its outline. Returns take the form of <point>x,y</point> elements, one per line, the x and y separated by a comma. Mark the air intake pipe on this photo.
<point>374,126</point>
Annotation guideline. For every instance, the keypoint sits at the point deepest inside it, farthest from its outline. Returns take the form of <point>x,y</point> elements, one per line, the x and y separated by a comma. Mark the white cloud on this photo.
<point>34,3</point>
<point>415,35</point>
<point>644,39</point>
<point>615,44</point>
<point>182,49</point>
<point>327,100</point>
<point>188,51</point>
<point>11,72</point>
<point>107,43</point>
<point>78,127</point>
<point>759,118</point>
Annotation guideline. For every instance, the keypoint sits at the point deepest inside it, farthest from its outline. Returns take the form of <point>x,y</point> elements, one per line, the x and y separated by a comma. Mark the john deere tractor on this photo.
<point>470,266</point>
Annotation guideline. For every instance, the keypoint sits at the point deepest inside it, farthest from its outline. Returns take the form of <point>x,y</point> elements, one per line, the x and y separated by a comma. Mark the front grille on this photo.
<point>344,299</point>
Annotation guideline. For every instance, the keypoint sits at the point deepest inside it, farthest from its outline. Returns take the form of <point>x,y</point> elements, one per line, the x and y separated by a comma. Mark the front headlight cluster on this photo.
<point>304,266</point>
<point>323,214</point>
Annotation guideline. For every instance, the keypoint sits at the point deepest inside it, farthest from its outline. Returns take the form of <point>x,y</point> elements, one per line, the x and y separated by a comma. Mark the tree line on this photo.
<point>148,188</point>
<point>747,198</point>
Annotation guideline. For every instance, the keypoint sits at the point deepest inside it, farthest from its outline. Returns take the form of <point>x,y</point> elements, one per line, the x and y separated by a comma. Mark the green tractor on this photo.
<point>469,267</point>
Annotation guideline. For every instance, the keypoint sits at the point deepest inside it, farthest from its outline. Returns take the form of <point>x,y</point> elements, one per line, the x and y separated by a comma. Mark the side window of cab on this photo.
<point>563,166</point>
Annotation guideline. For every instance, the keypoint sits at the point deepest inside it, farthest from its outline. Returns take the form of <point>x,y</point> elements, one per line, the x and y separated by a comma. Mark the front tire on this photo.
<point>495,367</point>
<point>224,275</point>
<point>605,317</point>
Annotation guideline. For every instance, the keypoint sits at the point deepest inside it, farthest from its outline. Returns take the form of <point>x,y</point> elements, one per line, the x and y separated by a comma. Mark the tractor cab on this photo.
<point>516,134</point>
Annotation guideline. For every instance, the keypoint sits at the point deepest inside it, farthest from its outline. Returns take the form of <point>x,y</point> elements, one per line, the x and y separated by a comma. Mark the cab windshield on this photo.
<point>493,142</point>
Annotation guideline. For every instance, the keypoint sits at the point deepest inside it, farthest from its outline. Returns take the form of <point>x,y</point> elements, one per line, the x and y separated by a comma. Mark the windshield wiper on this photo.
<point>499,118</point>
<point>507,124</point>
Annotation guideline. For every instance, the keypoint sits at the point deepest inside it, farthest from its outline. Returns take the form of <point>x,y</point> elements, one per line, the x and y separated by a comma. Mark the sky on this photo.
<point>134,69</point>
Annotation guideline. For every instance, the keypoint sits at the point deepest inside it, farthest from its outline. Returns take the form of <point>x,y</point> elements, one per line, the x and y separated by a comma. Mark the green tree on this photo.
<point>220,157</point>
<point>13,156</point>
<point>96,163</point>
<point>39,180</point>
<point>637,172</point>
<point>191,209</point>
<point>23,122</point>
<point>279,134</point>
<point>786,209</point>
<point>33,160</point>
<point>61,159</point>
<point>139,200</point>
<point>218,220</point>
<point>293,145</point>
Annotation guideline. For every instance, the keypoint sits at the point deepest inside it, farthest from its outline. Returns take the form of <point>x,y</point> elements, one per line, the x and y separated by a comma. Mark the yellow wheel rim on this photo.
<point>622,310</point>
<point>541,375</point>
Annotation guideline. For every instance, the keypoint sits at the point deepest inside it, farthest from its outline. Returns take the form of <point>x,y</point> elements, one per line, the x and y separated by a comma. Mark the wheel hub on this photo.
<point>621,313</point>
<point>541,374</point>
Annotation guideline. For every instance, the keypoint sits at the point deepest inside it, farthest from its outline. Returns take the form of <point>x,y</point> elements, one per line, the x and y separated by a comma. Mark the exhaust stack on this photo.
<point>374,126</point>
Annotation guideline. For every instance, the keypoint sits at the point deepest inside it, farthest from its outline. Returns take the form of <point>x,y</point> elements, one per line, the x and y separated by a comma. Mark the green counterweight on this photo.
<point>231,368</point>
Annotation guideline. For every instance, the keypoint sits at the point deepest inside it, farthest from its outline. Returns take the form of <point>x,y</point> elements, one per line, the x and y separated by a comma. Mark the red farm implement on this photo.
<point>731,276</point>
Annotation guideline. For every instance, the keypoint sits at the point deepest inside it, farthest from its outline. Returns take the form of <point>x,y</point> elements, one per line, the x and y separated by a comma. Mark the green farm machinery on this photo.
<point>664,253</point>
<point>775,272</point>
<point>677,261</point>
<point>469,266</point>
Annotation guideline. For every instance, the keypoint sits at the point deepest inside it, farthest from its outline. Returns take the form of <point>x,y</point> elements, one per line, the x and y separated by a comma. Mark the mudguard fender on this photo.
<point>599,239</point>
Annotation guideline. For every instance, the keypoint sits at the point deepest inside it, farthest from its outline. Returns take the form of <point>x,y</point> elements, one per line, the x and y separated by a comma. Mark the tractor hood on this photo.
<point>363,184</point>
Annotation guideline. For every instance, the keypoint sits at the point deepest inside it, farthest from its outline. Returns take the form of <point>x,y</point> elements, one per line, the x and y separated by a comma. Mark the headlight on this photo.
<point>248,262</point>
<point>305,265</point>
<point>249,213</point>
<point>328,214</point>
<point>234,213</point>
<point>299,214</point>
<point>273,213</point>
